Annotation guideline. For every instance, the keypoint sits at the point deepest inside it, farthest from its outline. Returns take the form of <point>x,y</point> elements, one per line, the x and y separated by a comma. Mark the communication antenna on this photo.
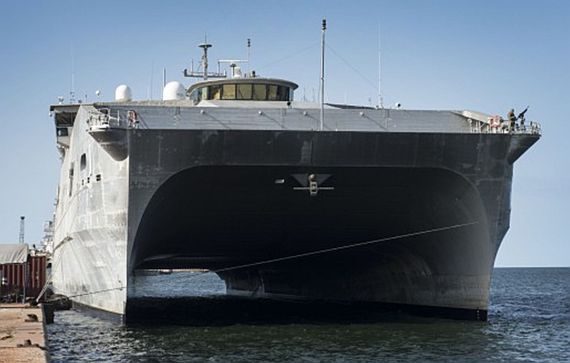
<point>163,77</point>
<point>72,90</point>
<point>322,118</point>
<point>233,63</point>
<point>204,64</point>
<point>380,98</point>
<point>248,51</point>
<point>22,225</point>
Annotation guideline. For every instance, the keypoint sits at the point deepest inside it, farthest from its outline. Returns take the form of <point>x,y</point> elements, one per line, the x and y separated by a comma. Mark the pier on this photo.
<point>22,334</point>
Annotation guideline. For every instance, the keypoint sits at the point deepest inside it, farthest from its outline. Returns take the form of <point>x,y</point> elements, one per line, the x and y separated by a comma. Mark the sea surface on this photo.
<point>529,321</point>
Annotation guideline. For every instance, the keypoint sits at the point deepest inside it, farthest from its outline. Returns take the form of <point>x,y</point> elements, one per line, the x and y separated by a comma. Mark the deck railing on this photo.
<point>496,125</point>
<point>118,119</point>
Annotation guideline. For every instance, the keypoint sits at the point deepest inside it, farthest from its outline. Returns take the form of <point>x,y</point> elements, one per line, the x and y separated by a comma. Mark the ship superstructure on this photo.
<point>233,175</point>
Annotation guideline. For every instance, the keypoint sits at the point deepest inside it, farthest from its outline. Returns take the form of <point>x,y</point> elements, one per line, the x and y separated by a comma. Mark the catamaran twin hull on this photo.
<point>378,215</point>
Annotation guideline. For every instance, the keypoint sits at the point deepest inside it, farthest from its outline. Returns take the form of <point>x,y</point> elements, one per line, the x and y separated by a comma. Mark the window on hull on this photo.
<point>71,172</point>
<point>83,162</point>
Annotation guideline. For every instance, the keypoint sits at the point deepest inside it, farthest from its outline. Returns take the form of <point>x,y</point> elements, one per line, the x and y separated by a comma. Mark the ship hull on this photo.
<point>384,216</point>
<point>405,219</point>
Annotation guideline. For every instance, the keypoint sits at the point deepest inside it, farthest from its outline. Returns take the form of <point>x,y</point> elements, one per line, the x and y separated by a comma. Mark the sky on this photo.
<point>487,56</point>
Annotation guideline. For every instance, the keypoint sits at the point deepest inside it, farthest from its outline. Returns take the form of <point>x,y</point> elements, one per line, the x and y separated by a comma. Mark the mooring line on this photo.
<point>301,255</point>
<point>333,249</point>
<point>97,292</point>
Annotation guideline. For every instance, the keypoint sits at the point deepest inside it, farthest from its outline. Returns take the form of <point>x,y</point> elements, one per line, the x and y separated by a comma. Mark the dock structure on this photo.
<point>22,334</point>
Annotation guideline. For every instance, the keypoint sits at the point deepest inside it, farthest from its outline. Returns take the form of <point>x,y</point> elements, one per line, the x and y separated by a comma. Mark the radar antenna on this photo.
<point>233,63</point>
<point>204,64</point>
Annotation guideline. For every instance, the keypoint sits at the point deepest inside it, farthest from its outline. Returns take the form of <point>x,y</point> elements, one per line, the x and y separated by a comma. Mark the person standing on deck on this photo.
<point>512,118</point>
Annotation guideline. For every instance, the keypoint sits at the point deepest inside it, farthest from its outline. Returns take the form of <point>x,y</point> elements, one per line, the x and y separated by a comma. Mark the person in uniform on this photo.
<point>512,119</point>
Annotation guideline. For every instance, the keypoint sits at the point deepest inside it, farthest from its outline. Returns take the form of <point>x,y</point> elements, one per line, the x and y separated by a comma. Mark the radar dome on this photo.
<point>173,91</point>
<point>123,93</point>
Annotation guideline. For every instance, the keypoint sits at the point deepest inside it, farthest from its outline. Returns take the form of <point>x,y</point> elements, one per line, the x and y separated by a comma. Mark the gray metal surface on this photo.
<point>258,116</point>
<point>167,184</point>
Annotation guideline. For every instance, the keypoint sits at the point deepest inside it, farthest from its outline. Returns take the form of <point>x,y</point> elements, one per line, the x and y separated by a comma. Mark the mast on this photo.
<point>322,118</point>
<point>380,98</point>
<point>204,63</point>
<point>205,47</point>
<point>72,90</point>
<point>248,52</point>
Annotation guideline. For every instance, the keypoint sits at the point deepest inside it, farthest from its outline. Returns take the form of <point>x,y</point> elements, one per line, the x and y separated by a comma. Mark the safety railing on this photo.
<point>105,118</point>
<point>496,125</point>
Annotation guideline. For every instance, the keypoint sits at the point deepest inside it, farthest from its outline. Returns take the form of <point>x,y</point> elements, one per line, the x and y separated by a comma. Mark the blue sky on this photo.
<point>481,55</point>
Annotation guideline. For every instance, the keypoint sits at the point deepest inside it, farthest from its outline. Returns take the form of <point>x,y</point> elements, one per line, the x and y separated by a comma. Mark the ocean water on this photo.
<point>529,321</point>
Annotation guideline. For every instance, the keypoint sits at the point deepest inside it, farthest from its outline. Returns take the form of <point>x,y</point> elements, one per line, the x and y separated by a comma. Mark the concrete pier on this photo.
<point>22,334</point>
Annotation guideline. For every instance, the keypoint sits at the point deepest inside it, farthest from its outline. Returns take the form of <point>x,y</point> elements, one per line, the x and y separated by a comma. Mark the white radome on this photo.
<point>123,93</point>
<point>173,91</point>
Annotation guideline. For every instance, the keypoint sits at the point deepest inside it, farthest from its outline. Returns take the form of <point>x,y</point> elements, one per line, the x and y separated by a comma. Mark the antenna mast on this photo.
<point>205,47</point>
<point>380,98</point>
<point>248,51</point>
<point>322,119</point>
<point>204,63</point>
<point>72,90</point>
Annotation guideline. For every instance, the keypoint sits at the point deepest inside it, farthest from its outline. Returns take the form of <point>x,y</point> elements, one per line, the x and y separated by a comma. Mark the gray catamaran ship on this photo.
<point>282,199</point>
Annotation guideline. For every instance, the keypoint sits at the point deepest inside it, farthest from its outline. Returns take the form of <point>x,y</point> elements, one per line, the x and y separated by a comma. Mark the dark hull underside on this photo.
<point>223,217</point>
<point>438,205</point>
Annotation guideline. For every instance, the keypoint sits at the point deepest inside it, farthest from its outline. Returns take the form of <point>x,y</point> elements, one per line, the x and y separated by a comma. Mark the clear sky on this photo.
<point>481,55</point>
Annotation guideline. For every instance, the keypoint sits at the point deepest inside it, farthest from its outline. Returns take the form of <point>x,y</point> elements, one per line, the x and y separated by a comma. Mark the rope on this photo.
<point>312,253</point>
<point>271,64</point>
<point>334,249</point>
<point>370,83</point>
<point>97,292</point>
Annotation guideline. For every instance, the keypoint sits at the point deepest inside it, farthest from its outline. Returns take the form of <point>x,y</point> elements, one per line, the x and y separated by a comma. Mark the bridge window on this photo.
<point>278,93</point>
<point>195,96</point>
<point>283,94</point>
<point>199,94</point>
<point>228,92</point>
<point>244,91</point>
<point>215,92</point>
<point>259,92</point>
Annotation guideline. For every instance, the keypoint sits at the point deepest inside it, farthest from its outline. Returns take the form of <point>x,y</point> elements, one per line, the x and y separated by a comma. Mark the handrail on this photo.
<point>104,119</point>
<point>499,126</point>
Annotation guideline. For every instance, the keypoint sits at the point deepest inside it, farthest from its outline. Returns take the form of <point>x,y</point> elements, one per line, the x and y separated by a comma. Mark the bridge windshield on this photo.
<point>242,92</point>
